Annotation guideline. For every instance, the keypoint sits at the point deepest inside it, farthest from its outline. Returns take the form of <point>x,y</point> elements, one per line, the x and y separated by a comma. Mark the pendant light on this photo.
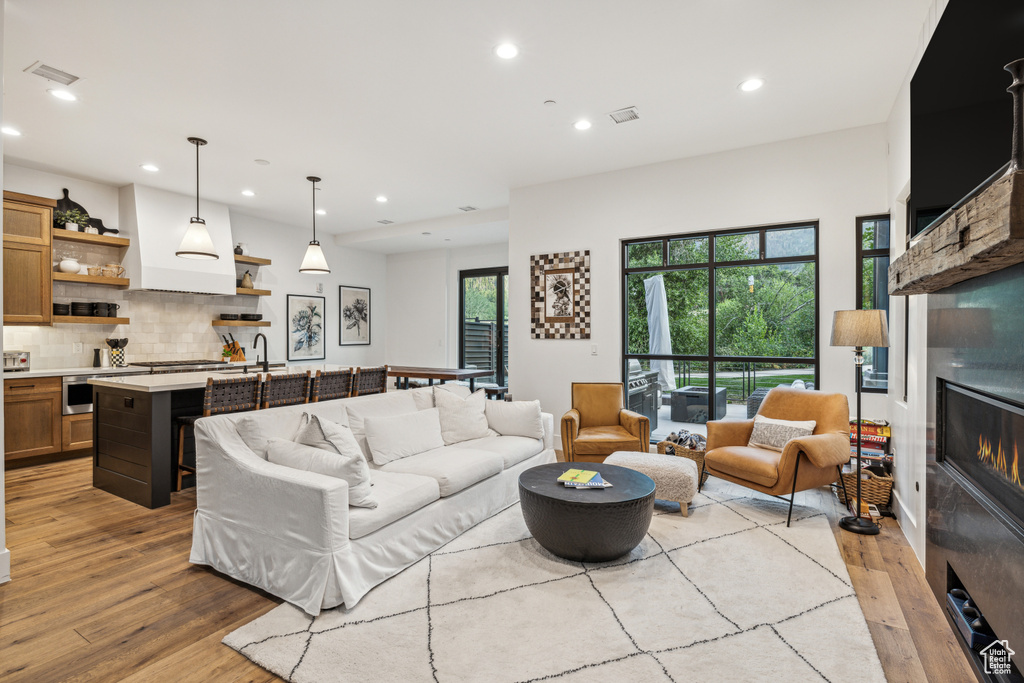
<point>196,244</point>
<point>314,261</point>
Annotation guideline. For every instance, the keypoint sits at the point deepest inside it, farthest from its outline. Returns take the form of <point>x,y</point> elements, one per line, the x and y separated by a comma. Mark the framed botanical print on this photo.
<point>306,327</point>
<point>354,315</point>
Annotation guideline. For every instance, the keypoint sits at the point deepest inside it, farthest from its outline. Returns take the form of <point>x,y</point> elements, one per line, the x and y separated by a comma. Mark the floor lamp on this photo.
<point>859,329</point>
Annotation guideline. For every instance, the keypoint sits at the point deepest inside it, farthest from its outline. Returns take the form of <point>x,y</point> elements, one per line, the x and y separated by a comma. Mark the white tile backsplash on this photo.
<point>164,326</point>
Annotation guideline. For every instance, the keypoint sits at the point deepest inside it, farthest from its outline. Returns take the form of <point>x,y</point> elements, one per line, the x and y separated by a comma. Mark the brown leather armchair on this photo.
<point>598,424</point>
<point>804,463</point>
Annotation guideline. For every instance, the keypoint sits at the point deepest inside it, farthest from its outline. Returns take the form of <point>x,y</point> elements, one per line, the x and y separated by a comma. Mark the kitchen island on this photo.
<point>134,436</point>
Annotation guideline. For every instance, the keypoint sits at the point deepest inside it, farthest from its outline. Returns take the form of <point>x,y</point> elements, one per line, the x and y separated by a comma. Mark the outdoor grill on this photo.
<point>642,392</point>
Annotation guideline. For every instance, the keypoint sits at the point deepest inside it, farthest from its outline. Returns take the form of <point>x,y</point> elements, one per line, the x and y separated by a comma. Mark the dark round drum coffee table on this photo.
<point>591,525</point>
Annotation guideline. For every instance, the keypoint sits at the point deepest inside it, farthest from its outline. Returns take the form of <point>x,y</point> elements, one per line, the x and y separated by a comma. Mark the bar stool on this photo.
<point>285,390</point>
<point>373,380</point>
<point>228,395</point>
<point>332,384</point>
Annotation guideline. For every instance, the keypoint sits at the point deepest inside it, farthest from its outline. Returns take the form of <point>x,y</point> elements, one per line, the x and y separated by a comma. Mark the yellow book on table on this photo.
<point>578,476</point>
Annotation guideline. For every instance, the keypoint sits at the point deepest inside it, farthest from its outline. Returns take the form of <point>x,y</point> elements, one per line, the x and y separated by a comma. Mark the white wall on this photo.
<point>909,417</point>
<point>833,178</point>
<point>423,310</point>
<point>177,326</point>
<point>5,555</point>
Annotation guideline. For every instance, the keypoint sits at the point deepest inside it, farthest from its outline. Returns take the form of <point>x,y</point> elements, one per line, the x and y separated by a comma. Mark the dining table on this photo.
<point>402,373</point>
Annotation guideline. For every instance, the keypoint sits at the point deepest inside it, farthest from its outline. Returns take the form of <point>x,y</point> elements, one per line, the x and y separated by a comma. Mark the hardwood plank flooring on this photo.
<point>102,590</point>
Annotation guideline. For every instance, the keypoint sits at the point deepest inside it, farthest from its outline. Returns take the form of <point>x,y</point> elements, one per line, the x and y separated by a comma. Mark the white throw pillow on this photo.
<point>259,427</point>
<point>515,418</point>
<point>462,419</point>
<point>352,469</point>
<point>423,396</point>
<point>399,436</point>
<point>774,434</point>
<point>460,390</point>
<point>383,405</point>
<point>329,436</point>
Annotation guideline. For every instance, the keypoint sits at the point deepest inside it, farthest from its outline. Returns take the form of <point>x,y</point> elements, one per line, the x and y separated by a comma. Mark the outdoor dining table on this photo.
<point>402,373</point>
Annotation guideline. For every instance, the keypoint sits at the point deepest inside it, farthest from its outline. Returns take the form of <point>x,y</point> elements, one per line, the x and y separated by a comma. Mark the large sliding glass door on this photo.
<point>718,316</point>
<point>483,322</point>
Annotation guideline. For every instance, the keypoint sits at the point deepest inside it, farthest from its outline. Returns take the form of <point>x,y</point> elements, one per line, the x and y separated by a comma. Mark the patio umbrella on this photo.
<point>660,339</point>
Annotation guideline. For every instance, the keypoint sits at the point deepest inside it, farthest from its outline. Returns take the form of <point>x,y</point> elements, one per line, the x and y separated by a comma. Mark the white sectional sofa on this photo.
<point>292,532</point>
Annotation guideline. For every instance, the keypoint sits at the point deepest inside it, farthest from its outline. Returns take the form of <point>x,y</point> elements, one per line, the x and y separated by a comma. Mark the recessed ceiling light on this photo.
<point>381,198</point>
<point>321,212</point>
<point>7,130</point>
<point>248,193</point>
<point>549,103</point>
<point>751,84</point>
<point>582,124</point>
<point>262,162</point>
<point>63,95</point>
<point>425,233</point>
<point>152,168</point>
<point>506,51</point>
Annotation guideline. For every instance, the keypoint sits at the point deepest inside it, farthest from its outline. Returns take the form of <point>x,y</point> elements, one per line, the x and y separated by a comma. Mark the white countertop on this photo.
<point>192,380</point>
<point>69,372</point>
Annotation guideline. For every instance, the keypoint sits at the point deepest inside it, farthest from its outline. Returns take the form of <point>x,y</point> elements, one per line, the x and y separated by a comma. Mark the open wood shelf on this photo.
<point>252,292</point>
<point>88,320</point>
<point>118,282</point>
<point>62,235</point>
<point>251,260</point>
<point>241,323</point>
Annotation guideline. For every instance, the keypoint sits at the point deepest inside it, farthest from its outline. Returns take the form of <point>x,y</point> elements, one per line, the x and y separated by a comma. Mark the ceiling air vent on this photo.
<point>467,208</point>
<point>623,115</point>
<point>385,222</point>
<point>52,74</point>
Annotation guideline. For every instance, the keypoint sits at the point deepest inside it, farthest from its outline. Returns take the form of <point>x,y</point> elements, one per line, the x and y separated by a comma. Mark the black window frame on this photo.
<point>862,254</point>
<point>500,272</point>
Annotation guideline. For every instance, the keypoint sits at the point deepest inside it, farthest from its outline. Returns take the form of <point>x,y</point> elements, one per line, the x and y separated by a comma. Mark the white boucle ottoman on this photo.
<point>674,478</point>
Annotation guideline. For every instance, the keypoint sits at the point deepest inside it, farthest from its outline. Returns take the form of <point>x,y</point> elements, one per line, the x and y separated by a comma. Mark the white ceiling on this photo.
<point>405,98</point>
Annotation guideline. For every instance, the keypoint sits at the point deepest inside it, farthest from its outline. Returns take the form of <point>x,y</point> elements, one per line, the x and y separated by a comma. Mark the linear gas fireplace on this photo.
<point>980,436</point>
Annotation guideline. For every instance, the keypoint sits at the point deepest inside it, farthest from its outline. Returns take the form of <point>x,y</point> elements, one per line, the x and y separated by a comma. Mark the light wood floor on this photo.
<point>102,590</point>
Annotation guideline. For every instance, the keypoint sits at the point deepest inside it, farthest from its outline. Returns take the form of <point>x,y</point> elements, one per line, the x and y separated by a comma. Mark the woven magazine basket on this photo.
<point>696,456</point>
<point>875,490</point>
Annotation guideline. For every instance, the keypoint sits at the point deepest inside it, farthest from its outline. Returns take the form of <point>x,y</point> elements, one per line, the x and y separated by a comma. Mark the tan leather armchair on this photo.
<point>598,424</point>
<point>804,463</point>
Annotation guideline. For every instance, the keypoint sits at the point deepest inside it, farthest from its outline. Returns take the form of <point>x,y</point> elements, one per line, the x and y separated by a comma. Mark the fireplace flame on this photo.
<point>996,459</point>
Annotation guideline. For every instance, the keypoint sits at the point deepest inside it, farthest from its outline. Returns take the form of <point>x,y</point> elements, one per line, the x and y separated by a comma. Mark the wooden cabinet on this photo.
<point>76,432</point>
<point>32,417</point>
<point>28,266</point>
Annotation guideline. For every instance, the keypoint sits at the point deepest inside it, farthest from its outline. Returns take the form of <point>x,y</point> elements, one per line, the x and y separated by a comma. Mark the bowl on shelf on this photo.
<point>229,316</point>
<point>252,317</point>
<point>62,309</point>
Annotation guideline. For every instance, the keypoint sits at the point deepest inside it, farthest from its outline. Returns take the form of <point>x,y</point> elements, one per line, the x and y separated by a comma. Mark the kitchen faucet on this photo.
<point>266,363</point>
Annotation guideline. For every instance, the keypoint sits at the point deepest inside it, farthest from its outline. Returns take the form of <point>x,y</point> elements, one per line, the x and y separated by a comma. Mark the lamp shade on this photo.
<point>860,328</point>
<point>196,244</point>
<point>314,260</point>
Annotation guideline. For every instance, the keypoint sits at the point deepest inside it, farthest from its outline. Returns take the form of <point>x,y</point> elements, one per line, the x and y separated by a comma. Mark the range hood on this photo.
<point>156,220</point>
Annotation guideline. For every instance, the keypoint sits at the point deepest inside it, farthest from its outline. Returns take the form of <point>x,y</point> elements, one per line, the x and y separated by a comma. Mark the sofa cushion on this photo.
<point>603,440</point>
<point>454,469</point>
<point>260,426</point>
<point>774,434</point>
<point>462,419</point>
<point>757,465</point>
<point>351,467</point>
<point>423,396</point>
<point>460,390</point>
<point>381,405</point>
<point>512,449</point>
<point>398,495</point>
<point>399,436</point>
<point>320,432</point>
<point>515,418</point>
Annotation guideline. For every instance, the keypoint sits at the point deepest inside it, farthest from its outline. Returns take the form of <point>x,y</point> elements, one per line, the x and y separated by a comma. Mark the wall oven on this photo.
<point>77,394</point>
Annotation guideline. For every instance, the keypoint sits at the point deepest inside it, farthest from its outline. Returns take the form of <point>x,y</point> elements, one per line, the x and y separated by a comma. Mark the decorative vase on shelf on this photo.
<point>238,249</point>
<point>69,265</point>
<point>247,281</point>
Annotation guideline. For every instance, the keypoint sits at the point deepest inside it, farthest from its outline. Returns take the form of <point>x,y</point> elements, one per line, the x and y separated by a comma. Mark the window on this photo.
<point>483,333</point>
<point>720,313</point>
<point>873,292</point>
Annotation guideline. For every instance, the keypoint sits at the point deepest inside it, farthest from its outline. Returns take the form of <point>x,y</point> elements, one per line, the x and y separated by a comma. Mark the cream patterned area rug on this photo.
<point>727,594</point>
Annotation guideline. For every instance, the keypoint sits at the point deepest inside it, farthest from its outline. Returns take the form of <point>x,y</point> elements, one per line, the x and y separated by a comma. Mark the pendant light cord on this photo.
<point>314,211</point>
<point>197,179</point>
